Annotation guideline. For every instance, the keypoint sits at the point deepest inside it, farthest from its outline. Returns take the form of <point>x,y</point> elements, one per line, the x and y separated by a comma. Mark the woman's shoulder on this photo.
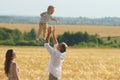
<point>13,63</point>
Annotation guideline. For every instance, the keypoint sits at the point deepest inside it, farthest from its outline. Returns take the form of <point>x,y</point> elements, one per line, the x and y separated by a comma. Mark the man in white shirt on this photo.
<point>57,55</point>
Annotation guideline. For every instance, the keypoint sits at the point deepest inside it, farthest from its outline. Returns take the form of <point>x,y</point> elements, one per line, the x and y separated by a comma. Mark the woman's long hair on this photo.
<point>8,60</point>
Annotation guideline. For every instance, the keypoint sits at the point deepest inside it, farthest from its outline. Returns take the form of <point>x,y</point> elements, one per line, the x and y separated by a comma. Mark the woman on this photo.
<point>11,69</point>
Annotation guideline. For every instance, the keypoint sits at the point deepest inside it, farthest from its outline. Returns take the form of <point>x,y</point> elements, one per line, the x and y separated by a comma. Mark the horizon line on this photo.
<point>64,16</point>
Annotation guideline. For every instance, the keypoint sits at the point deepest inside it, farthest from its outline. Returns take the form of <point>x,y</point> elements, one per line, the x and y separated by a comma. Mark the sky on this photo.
<point>63,8</point>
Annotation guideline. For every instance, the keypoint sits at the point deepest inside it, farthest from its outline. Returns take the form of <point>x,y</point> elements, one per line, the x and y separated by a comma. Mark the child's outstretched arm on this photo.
<point>42,14</point>
<point>53,19</point>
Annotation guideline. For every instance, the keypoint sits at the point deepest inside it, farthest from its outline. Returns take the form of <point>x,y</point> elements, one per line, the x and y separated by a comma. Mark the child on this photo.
<point>45,17</point>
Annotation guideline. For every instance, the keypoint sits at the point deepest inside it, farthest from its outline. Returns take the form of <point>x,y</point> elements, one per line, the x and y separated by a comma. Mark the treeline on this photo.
<point>79,39</point>
<point>76,38</point>
<point>15,37</point>
<point>106,21</point>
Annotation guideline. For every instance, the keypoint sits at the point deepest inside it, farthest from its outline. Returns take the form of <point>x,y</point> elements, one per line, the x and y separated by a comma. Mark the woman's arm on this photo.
<point>15,72</point>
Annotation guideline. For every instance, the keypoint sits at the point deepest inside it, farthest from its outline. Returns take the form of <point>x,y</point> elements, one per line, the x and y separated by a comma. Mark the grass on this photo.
<point>80,64</point>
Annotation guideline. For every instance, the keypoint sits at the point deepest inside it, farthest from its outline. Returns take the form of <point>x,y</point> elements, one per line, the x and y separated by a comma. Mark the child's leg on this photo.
<point>39,31</point>
<point>44,31</point>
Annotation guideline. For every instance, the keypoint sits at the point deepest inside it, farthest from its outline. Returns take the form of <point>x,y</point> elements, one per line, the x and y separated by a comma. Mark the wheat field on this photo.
<point>102,31</point>
<point>79,64</point>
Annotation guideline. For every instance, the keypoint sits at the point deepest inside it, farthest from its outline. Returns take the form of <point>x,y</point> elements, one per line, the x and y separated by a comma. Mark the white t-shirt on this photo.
<point>46,17</point>
<point>56,60</point>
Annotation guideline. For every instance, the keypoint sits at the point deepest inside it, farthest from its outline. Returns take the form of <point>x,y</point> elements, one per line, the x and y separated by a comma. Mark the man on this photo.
<point>57,56</point>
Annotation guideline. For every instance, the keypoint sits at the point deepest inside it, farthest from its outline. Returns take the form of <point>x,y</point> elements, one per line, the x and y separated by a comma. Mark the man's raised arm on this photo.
<point>46,42</point>
<point>54,36</point>
<point>48,35</point>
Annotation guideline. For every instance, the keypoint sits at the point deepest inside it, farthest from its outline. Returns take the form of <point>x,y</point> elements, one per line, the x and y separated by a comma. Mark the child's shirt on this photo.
<point>45,18</point>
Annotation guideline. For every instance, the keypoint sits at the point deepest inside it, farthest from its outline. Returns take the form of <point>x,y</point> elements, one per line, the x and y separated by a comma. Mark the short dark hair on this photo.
<point>63,47</point>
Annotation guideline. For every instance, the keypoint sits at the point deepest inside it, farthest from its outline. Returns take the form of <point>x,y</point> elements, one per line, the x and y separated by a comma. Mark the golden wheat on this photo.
<point>80,64</point>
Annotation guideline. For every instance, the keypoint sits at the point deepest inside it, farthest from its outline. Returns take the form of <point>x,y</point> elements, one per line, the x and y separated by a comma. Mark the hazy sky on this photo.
<point>65,8</point>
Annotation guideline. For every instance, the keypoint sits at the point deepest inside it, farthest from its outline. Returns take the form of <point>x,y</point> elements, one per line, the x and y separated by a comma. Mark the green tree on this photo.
<point>17,35</point>
<point>30,35</point>
<point>108,38</point>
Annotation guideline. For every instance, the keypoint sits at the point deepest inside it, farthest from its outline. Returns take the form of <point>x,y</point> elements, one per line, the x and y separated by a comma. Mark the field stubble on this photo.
<point>80,64</point>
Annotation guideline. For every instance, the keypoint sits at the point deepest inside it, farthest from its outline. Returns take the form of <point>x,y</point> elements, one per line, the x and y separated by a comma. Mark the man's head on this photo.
<point>62,47</point>
<point>50,9</point>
